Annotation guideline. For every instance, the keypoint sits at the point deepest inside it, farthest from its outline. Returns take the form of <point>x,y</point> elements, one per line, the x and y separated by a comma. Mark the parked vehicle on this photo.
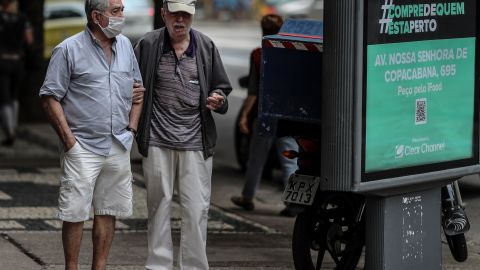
<point>316,10</point>
<point>139,18</point>
<point>62,19</point>
<point>66,18</point>
<point>296,8</point>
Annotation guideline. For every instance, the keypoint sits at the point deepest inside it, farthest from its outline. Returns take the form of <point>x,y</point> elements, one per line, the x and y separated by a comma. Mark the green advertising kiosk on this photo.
<point>400,116</point>
<point>419,87</point>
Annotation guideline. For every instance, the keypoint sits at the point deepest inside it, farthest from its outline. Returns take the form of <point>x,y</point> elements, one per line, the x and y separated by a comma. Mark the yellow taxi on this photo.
<point>62,19</point>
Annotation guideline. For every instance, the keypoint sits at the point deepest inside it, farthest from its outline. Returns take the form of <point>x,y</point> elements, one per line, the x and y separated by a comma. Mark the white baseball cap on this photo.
<point>181,5</point>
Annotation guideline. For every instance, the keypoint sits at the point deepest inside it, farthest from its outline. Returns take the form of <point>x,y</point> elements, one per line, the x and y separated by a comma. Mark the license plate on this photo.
<point>301,189</point>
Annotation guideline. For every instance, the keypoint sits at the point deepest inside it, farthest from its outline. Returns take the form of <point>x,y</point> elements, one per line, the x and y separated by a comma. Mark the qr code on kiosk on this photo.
<point>420,111</point>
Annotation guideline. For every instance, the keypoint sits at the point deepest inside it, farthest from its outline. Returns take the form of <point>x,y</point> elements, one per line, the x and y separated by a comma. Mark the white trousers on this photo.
<point>192,174</point>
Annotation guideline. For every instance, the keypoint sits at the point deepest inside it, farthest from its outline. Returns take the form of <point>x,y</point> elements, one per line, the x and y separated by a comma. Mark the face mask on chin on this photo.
<point>114,27</point>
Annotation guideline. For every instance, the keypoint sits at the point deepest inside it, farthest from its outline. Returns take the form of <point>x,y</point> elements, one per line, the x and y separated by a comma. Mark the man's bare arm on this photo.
<point>248,105</point>
<point>137,104</point>
<point>57,119</point>
<point>138,93</point>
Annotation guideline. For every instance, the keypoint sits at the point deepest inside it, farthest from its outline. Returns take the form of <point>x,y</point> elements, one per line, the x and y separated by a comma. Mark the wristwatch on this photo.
<point>132,130</point>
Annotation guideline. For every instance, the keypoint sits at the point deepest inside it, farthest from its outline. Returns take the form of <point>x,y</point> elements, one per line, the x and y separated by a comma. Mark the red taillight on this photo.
<point>305,164</point>
<point>151,12</point>
<point>272,10</point>
<point>308,145</point>
<point>290,154</point>
<point>265,10</point>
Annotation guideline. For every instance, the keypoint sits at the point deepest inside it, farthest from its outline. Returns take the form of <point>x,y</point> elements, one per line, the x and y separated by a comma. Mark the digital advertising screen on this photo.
<point>419,94</point>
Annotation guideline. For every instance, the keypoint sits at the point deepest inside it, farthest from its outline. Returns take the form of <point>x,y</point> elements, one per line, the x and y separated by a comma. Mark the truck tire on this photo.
<point>309,238</point>
<point>303,234</point>
<point>458,246</point>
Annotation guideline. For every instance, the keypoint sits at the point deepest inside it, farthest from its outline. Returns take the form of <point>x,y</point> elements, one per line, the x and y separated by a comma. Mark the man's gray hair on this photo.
<point>91,5</point>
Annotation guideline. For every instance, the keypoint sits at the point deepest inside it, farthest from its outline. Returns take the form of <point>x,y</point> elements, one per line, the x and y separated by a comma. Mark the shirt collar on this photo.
<point>192,47</point>
<point>95,40</point>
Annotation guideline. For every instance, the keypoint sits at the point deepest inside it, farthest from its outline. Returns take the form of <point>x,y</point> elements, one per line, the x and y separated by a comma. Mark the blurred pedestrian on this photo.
<point>244,8</point>
<point>15,35</point>
<point>260,144</point>
<point>87,94</point>
<point>185,81</point>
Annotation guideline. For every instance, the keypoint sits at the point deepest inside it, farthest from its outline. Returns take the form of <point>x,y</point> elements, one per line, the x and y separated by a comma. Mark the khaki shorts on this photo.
<point>89,178</point>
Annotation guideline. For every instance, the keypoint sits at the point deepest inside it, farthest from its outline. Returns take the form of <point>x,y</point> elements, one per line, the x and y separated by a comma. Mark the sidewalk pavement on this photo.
<point>24,250</point>
<point>36,249</point>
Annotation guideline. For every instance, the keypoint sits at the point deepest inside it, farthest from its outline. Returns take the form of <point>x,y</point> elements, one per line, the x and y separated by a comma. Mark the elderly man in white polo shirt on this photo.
<point>87,94</point>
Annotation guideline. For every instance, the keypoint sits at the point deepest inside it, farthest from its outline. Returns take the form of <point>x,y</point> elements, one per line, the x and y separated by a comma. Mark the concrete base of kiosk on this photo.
<point>403,232</point>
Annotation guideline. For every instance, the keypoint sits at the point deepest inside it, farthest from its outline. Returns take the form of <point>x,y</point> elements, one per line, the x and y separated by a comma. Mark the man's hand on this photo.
<point>56,117</point>
<point>215,101</point>
<point>138,92</point>
<point>69,143</point>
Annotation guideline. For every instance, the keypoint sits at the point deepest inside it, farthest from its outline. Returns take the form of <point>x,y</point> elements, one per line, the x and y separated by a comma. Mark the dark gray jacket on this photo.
<point>211,73</point>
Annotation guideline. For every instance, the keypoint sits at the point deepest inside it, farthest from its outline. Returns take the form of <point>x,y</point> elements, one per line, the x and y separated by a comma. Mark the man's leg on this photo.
<point>16,107</point>
<point>194,184</point>
<point>112,197</point>
<point>102,236</point>
<point>159,170</point>
<point>7,115</point>
<point>71,237</point>
<point>75,197</point>
<point>289,166</point>
<point>257,157</point>
<point>6,110</point>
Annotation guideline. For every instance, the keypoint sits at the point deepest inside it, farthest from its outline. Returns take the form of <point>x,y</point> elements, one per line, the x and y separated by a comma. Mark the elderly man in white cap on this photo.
<point>185,81</point>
